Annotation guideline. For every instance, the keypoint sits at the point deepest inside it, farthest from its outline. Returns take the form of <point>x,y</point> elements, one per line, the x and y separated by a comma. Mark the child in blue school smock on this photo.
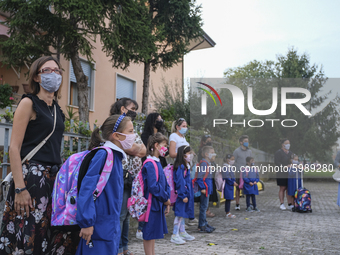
<point>250,177</point>
<point>156,227</point>
<point>205,183</point>
<point>184,206</point>
<point>294,168</point>
<point>230,182</point>
<point>99,220</point>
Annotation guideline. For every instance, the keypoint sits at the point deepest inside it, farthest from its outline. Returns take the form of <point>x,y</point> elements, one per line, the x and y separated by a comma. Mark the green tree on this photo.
<point>314,135</point>
<point>69,28</point>
<point>172,25</point>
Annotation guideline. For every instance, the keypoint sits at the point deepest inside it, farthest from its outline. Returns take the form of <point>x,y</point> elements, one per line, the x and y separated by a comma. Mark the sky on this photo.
<point>247,30</point>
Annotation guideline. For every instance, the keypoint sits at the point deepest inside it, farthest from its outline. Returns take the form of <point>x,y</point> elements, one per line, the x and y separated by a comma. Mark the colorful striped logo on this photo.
<point>208,92</point>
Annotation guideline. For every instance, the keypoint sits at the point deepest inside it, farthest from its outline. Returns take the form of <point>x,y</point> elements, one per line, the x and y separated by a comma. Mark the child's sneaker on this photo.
<point>192,222</point>
<point>237,207</point>
<point>185,236</point>
<point>249,209</point>
<point>256,209</point>
<point>231,216</point>
<point>290,207</point>
<point>139,235</point>
<point>282,207</point>
<point>252,207</point>
<point>177,239</point>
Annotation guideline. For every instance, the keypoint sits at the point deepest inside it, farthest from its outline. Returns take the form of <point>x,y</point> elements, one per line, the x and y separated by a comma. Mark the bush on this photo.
<point>6,98</point>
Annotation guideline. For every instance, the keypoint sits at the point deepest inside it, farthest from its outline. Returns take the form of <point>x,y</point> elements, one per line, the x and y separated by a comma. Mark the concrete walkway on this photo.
<point>270,231</point>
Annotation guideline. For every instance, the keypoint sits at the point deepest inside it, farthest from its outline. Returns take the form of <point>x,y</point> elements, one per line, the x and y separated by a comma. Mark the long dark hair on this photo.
<point>124,101</point>
<point>180,156</point>
<point>149,125</point>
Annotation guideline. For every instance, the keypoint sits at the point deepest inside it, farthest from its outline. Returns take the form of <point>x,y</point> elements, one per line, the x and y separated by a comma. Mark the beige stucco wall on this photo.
<point>104,83</point>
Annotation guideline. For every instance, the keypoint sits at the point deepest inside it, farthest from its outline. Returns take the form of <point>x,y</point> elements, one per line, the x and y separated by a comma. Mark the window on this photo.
<point>125,87</point>
<point>73,84</point>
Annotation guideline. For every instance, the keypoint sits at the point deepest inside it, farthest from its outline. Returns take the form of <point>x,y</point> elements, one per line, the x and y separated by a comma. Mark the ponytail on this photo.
<point>96,139</point>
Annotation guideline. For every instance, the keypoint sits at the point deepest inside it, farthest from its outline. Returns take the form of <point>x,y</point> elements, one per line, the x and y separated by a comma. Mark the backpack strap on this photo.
<point>105,174</point>
<point>205,177</point>
<point>150,195</point>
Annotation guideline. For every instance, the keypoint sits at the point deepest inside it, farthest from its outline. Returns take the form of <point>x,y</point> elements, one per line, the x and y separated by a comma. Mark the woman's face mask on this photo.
<point>287,146</point>
<point>50,81</point>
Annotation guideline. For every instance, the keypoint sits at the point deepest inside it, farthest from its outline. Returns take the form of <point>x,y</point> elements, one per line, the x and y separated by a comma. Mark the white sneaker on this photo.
<point>237,208</point>
<point>290,207</point>
<point>282,207</point>
<point>177,239</point>
<point>139,235</point>
<point>185,236</point>
<point>192,222</point>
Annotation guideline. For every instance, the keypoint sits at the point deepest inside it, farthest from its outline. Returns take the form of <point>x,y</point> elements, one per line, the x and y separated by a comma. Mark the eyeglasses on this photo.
<point>50,70</point>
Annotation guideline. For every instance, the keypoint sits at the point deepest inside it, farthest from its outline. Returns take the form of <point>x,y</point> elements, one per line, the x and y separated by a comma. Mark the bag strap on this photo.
<point>105,174</point>
<point>41,144</point>
<point>150,195</point>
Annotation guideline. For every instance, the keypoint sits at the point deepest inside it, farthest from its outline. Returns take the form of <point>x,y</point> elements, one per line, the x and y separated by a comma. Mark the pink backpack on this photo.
<point>219,182</point>
<point>169,173</point>
<point>67,185</point>
<point>137,204</point>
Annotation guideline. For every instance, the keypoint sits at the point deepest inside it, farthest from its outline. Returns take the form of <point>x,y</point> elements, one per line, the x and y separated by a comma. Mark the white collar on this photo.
<point>115,147</point>
<point>154,158</point>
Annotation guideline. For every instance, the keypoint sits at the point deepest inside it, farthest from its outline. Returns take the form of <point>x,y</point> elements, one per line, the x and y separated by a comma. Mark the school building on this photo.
<point>105,83</point>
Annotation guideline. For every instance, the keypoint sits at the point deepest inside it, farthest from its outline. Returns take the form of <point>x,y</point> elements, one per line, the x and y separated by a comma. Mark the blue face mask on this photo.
<point>183,131</point>
<point>246,144</point>
<point>252,164</point>
<point>50,81</point>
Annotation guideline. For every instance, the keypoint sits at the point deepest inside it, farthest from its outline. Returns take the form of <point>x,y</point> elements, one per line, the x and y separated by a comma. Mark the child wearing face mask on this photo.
<point>251,178</point>
<point>184,206</point>
<point>230,181</point>
<point>156,227</point>
<point>205,183</point>
<point>293,168</point>
<point>99,220</point>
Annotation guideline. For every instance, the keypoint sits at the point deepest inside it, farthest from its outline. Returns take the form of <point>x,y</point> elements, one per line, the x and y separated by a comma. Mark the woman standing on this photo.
<point>131,164</point>
<point>282,159</point>
<point>27,215</point>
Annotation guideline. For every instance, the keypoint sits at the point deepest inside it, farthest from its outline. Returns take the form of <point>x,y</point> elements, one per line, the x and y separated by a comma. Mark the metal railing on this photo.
<point>70,137</point>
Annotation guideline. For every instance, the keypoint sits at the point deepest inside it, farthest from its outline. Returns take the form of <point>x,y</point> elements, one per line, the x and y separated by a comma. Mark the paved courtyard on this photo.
<point>271,231</point>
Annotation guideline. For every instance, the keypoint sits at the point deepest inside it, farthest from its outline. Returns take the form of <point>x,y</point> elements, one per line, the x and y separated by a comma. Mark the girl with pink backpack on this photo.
<point>157,187</point>
<point>98,216</point>
<point>184,205</point>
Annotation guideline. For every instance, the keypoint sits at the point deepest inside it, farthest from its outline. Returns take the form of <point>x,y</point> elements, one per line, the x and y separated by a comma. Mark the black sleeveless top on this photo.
<point>38,129</point>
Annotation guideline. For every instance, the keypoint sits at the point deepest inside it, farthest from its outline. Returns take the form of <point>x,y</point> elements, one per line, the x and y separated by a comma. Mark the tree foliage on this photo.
<point>314,135</point>
<point>70,28</point>
<point>171,27</point>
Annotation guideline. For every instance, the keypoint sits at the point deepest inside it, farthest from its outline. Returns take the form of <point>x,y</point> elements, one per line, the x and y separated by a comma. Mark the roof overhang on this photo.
<point>203,42</point>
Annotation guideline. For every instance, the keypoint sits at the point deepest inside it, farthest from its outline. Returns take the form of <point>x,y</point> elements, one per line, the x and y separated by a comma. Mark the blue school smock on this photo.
<point>156,227</point>
<point>229,178</point>
<point>208,180</point>
<point>252,176</point>
<point>103,214</point>
<point>292,180</point>
<point>183,186</point>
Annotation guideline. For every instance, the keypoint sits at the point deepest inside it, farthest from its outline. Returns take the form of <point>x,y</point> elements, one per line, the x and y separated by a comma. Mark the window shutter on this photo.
<point>125,87</point>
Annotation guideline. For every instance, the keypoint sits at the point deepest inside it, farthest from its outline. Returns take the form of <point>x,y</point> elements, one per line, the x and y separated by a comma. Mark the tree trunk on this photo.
<point>146,85</point>
<point>83,100</point>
